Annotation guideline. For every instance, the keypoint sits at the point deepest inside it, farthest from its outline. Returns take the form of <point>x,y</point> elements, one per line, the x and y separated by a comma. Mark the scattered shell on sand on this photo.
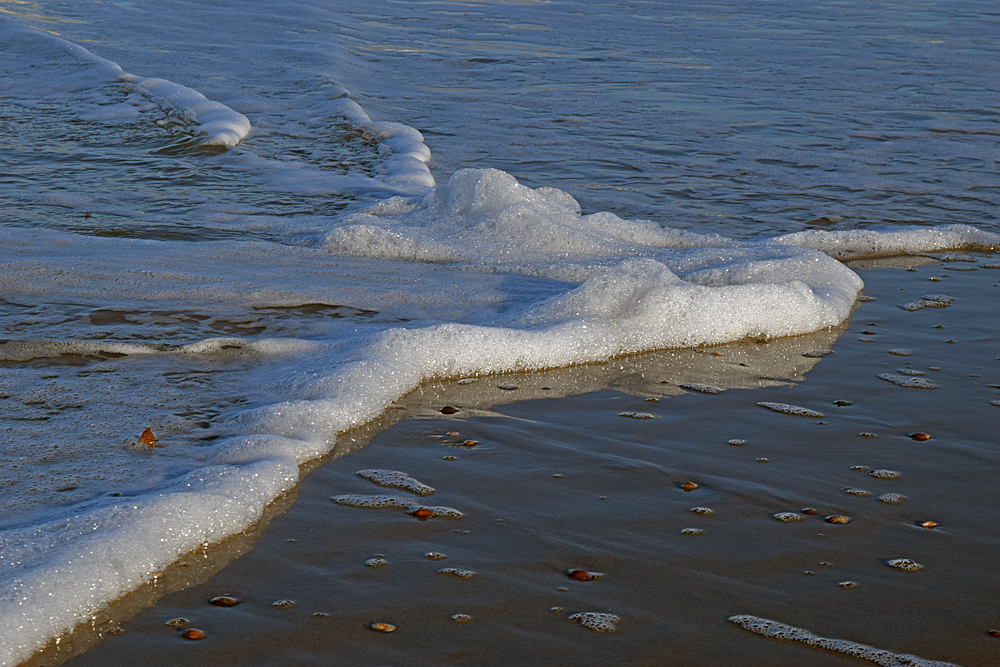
<point>883,474</point>
<point>147,437</point>
<point>224,601</point>
<point>838,518</point>
<point>704,511</point>
<point>596,621</point>
<point>636,415</point>
<point>891,498</point>
<point>383,627</point>
<point>701,388</point>
<point>788,517</point>
<point>457,572</point>
<point>904,565</point>
<point>920,436</point>
<point>786,409</point>
<point>193,634</point>
<point>691,531</point>
<point>583,575</point>
<point>842,403</point>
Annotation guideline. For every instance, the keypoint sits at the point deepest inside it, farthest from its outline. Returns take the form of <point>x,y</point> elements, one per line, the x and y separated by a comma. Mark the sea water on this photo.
<point>251,226</point>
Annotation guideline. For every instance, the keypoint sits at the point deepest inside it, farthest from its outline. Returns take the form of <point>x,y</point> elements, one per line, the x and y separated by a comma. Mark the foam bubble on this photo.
<point>377,561</point>
<point>817,353</point>
<point>891,498</point>
<point>396,480</point>
<point>459,572</point>
<point>701,388</point>
<point>377,501</point>
<point>787,517</point>
<point>597,621</point>
<point>901,352</point>
<point>782,631</point>
<point>704,511</point>
<point>787,409</point>
<point>904,565</point>
<point>911,382</point>
<point>636,415</point>
<point>857,492</point>
<point>911,372</point>
<point>883,474</point>
<point>929,301</point>
<point>691,531</point>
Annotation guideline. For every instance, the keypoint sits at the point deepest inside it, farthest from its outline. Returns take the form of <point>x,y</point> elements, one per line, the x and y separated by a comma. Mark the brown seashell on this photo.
<point>920,436</point>
<point>147,437</point>
<point>689,486</point>
<point>994,633</point>
<point>583,575</point>
<point>193,634</point>
<point>422,513</point>
<point>929,524</point>
<point>383,627</point>
<point>716,354</point>
<point>838,518</point>
<point>809,510</point>
<point>449,410</point>
<point>470,443</point>
<point>224,601</point>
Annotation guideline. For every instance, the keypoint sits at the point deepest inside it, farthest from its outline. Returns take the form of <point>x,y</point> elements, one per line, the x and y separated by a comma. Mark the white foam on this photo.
<point>858,243</point>
<point>776,630</point>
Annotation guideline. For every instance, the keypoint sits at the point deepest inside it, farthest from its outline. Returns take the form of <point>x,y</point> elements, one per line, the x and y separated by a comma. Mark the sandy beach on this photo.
<point>586,467</point>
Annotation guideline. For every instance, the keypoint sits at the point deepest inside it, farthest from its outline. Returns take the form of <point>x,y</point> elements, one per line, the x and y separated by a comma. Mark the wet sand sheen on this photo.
<point>557,485</point>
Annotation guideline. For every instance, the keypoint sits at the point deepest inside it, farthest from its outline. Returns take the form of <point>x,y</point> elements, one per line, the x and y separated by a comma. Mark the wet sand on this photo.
<point>558,479</point>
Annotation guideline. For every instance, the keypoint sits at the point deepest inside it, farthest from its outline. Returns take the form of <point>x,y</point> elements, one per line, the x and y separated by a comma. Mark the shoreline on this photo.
<point>599,393</point>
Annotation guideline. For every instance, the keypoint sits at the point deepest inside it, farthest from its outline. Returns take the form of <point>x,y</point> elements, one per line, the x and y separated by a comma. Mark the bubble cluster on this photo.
<point>901,352</point>
<point>776,630</point>
<point>787,409</point>
<point>788,517</point>
<point>856,492</point>
<point>912,382</point>
<point>904,565</point>
<point>737,442</point>
<point>457,572</point>
<point>910,371</point>
<point>704,511</point>
<point>929,301</point>
<point>596,621</point>
<point>377,501</point>
<point>883,474</point>
<point>396,480</point>
<point>691,531</point>
<point>701,388</point>
<point>178,623</point>
<point>891,498</point>
<point>377,561</point>
<point>636,415</point>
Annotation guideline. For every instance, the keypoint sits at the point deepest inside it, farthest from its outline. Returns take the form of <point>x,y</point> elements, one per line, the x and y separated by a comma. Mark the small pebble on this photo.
<point>838,518</point>
<point>224,601</point>
<point>920,436</point>
<point>810,511</point>
<point>825,564</point>
<point>434,555</point>
<point>689,486</point>
<point>867,434</point>
<point>507,386</point>
<point>583,575</point>
<point>470,443</point>
<point>452,434</point>
<point>450,458</point>
<point>848,584</point>
<point>422,513</point>
<point>994,633</point>
<point>449,410</point>
<point>193,634</point>
<point>383,627</point>
<point>929,524</point>
<point>704,511</point>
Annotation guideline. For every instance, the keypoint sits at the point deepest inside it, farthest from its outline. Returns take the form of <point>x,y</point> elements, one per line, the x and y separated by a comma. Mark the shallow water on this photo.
<point>250,295</point>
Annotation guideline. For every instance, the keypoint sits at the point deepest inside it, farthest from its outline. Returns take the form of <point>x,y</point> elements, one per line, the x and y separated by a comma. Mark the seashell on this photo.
<point>838,518</point>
